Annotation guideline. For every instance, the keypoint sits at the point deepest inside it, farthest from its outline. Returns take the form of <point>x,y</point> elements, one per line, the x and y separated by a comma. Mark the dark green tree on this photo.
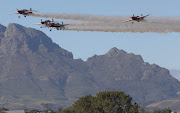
<point>134,108</point>
<point>68,110</point>
<point>166,110</point>
<point>104,102</point>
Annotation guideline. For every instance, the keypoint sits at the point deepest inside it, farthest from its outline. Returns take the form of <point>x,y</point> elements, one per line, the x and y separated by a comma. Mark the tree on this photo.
<point>134,108</point>
<point>166,110</point>
<point>104,102</point>
<point>68,110</point>
<point>60,110</point>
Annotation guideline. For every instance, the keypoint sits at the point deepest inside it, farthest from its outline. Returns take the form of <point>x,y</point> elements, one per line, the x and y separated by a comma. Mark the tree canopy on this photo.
<point>104,102</point>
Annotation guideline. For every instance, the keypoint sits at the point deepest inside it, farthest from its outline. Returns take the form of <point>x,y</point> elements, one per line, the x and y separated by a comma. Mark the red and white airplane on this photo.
<point>52,24</point>
<point>137,18</point>
<point>24,12</point>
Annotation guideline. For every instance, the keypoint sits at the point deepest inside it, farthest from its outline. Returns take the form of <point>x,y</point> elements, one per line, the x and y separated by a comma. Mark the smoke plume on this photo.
<point>115,23</point>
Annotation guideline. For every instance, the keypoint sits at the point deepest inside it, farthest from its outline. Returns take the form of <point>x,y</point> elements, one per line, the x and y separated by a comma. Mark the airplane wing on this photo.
<point>30,11</point>
<point>54,22</point>
<point>127,20</point>
<point>13,13</point>
<point>144,16</point>
<point>34,11</point>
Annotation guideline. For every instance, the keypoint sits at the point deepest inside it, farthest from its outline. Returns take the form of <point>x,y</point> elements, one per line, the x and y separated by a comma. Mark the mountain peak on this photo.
<point>24,40</point>
<point>14,29</point>
<point>114,51</point>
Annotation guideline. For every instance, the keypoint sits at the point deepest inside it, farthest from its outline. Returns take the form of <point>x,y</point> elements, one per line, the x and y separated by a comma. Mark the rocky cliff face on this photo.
<point>2,30</point>
<point>33,66</point>
<point>34,70</point>
<point>118,70</point>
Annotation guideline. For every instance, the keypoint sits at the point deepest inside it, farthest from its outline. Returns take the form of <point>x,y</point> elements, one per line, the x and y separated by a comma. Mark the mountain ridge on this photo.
<point>35,70</point>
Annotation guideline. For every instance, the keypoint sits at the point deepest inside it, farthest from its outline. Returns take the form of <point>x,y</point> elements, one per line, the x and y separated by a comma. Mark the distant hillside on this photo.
<point>172,104</point>
<point>35,71</point>
<point>175,73</point>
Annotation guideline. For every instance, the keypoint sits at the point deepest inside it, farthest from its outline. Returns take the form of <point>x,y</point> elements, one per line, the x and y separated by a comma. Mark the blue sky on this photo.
<point>161,49</point>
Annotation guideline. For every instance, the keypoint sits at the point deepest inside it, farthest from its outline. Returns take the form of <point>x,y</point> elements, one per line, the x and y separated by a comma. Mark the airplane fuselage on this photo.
<point>137,18</point>
<point>23,12</point>
<point>46,22</point>
<point>56,25</point>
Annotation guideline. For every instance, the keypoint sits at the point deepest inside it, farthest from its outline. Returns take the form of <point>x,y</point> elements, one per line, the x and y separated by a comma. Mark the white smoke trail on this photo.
<point>115,24</point>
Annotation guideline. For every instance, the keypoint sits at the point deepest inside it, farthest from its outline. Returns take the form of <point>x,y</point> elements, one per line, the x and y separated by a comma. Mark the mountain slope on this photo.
<point>2,30</point>
<point>33,67</point>
<point>118,70</point>
<point>35,71</point>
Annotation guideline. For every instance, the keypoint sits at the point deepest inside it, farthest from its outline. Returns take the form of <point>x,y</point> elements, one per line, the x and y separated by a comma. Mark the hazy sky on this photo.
<point>161,49</point>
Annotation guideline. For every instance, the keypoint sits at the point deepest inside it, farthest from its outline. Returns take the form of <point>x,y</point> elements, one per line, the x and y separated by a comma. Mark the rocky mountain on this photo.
<point>33,68</point>
<point>118,70</point>
<point>35,71</point>
<point>2,30</point>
